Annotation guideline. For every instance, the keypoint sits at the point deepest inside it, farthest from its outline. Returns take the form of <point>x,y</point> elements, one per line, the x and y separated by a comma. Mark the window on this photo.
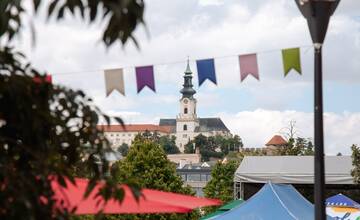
<point>184,135</point>
<point>185,110</point>
<point>203,177</point>
<point>193,177</point>
<point>185,127</point>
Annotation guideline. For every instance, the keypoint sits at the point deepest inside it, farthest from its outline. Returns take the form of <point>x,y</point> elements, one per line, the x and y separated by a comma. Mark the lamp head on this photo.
<point>317,14</point>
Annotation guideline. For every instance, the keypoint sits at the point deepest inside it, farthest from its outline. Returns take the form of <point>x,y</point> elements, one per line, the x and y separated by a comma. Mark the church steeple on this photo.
<point>188,91</point>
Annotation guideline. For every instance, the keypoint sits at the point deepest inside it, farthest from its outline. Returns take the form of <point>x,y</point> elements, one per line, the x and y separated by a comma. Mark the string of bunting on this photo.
<point>248,63</point>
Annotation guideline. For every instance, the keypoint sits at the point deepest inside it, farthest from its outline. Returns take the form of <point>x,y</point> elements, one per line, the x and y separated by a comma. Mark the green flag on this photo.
<point>291,60</point>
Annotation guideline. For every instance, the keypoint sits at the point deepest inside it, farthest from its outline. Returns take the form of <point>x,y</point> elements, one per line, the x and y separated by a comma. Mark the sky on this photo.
<point>256,110</point>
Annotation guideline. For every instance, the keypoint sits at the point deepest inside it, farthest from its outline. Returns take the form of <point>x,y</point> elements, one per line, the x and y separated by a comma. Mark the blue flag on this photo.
<point>206,70</point>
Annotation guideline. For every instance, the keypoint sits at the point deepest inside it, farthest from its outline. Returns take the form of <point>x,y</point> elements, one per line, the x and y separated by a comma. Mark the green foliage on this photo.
<point>168,144</point>
<point>45,130</point>
<point>221,184</point>
<point>228,144</point>
<point>147,165</point>
<point>214,146</point>
<point>48,130</point>
<point>121,16</point>
<point>123,149</point>
<point>298,146</point>
<point>356,163</point>
<point>189,148</point>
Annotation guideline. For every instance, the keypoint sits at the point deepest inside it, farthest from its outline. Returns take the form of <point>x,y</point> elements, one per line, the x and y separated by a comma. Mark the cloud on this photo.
<point>215,28</point>
<point>257,127</point>
<point>211,2</point>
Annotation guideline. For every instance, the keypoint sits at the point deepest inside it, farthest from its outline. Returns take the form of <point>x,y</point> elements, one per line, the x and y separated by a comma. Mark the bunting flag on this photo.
<point>145,77</point>
<point>291,60</point>
<point>114,80</point>
<point>47,78</point>
<point>206,70</point>
<point>248,66</point>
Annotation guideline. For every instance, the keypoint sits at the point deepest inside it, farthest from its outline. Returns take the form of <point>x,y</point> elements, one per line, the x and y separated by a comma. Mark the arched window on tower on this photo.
<point>185,110</point>
<point>185,127</point>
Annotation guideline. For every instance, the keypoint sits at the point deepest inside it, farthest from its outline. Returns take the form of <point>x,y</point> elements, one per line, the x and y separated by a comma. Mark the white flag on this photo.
<point>114,80</point>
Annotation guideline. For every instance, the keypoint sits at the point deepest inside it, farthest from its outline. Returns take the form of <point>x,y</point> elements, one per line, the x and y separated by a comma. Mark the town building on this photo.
<point>119,134</point>
<point>187,124</point>
<point>196,175</point>
<point>275,144</point>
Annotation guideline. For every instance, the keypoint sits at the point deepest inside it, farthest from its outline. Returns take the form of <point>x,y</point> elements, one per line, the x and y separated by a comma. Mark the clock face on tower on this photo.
<point>185,101</point>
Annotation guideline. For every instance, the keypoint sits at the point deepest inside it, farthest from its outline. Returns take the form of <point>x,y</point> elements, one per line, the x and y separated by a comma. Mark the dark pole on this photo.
<point>317,14</point>
<point>319,188</point>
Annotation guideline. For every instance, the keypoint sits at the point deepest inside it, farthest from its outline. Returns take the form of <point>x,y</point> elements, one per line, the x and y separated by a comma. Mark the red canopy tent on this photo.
<point>151,201</point>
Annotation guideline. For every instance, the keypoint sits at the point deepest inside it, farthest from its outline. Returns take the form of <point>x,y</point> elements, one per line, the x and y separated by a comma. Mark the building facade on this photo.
<point>195,175</point>
<point>187,124</point>
<point>118,134</point>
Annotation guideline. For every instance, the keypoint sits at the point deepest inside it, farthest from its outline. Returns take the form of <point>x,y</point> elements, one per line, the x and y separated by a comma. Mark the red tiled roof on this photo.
<point>134,128</point>
<point>277,140</point>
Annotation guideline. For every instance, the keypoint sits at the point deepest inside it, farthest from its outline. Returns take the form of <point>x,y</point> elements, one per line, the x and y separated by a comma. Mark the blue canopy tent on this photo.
<point>340,200</point>
<point>273,201</point>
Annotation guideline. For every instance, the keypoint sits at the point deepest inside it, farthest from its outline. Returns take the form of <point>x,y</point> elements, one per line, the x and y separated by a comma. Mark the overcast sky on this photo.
<point>255,110</point>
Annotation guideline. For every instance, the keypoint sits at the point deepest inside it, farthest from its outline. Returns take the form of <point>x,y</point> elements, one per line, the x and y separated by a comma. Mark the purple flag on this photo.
<point>145,77</point>
<point>248,66</point>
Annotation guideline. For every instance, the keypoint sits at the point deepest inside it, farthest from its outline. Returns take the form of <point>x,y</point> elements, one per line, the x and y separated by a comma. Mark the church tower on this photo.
<point>186,121</point>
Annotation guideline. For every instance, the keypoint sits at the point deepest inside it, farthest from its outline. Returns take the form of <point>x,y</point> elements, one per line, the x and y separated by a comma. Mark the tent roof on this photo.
<point>273,201</point>
<point>293,169</point>
<point>231,205</point>
<point>223,209</point>
<point>340,200</point>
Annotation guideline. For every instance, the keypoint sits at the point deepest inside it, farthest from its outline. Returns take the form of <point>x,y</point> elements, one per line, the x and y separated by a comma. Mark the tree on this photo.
<point>356,163</point>
<point>123,149</point>
<point>227,144</point>
<point>299,146</point>
<point>213,146</point>
<point>168,144</point>
<point>147,165</point>
<point>221,185</point>
<point>189,148</point>
<point>290,131</point>
<point>46,130</point>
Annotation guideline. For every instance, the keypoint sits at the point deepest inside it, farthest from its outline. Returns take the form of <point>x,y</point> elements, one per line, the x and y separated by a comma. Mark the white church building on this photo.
<point>187,124</point>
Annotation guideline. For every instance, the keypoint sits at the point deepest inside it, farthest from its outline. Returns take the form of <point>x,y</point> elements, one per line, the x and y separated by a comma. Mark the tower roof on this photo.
<point>277,140</point>
<point>188,91</point>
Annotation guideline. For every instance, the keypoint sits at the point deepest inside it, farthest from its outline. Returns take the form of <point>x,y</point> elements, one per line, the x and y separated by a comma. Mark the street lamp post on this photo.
<point>317,14</point>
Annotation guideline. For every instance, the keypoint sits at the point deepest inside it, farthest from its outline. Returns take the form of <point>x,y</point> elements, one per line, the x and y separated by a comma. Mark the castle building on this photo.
<point>118,134</point>
<point>187,124</point>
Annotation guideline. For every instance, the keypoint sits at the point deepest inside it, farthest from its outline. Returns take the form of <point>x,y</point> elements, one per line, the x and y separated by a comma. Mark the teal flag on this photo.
<point>291,60</point>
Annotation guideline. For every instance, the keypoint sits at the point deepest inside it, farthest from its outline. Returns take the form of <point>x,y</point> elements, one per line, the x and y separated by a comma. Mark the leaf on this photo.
<point>52,7</point>
<point>91,185</point>
<point>61,12</point>
<point>36,4</point>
